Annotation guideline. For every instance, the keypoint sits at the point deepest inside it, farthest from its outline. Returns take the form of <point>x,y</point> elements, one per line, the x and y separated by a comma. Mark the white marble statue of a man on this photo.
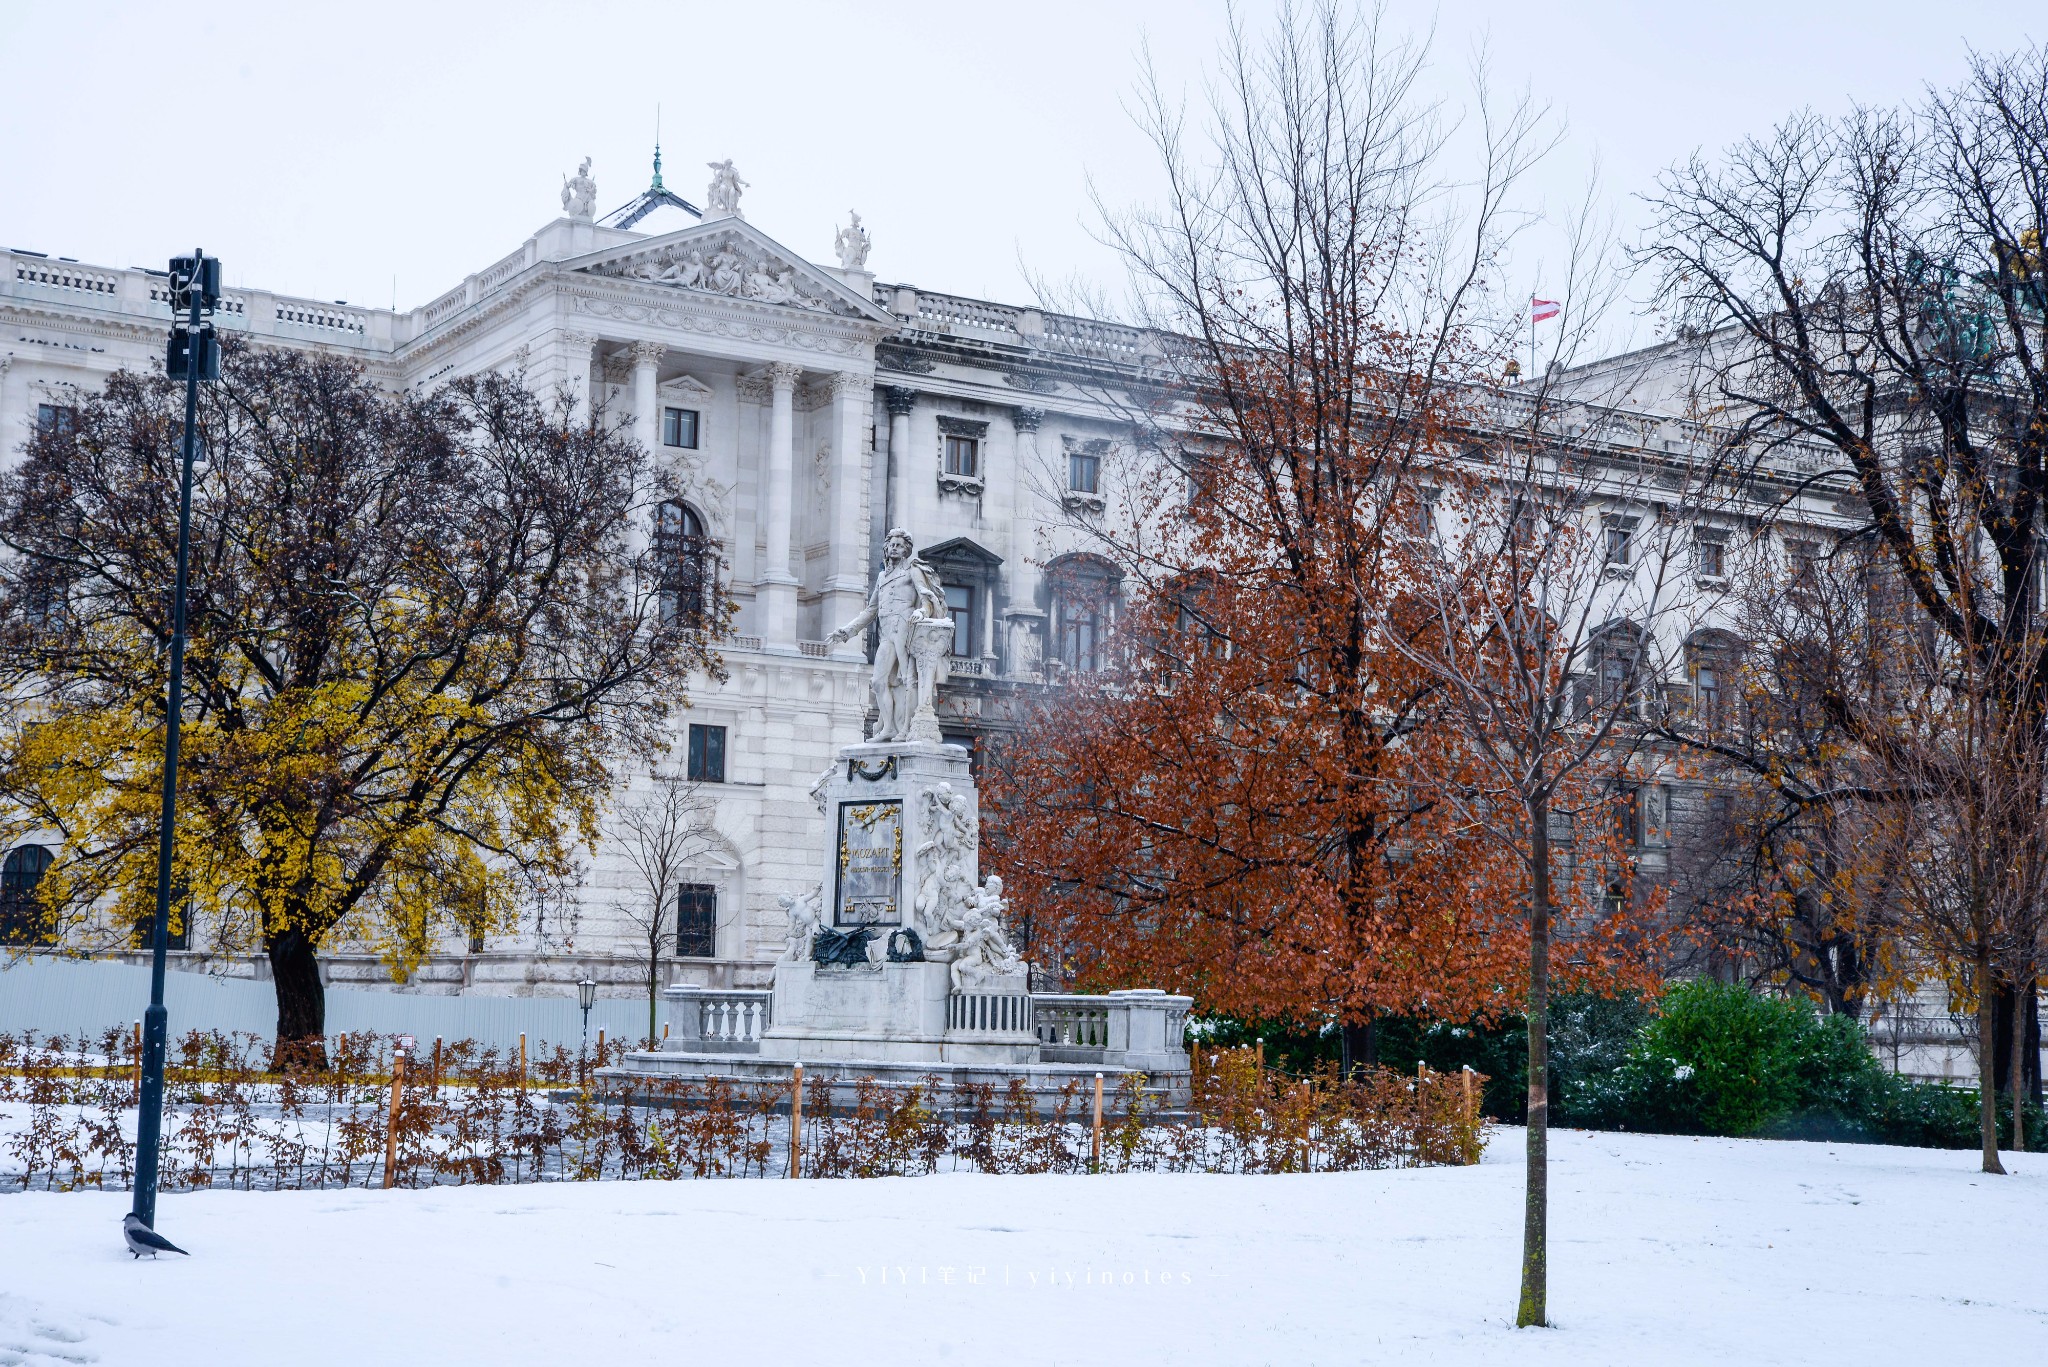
<point>905,593</point>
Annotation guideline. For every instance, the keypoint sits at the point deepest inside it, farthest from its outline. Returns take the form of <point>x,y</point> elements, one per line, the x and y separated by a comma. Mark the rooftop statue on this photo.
<point>723,196</point>
<point>579,193</point>
<point>909,608</point>
<point>852,245</point>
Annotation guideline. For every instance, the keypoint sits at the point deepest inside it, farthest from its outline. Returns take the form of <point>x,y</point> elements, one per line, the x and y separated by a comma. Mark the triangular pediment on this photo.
<point>731,258</point>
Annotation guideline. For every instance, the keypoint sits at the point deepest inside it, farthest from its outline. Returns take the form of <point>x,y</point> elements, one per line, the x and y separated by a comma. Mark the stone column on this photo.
<point>576,351</point>
<point>900,402</point>
<point>778,586</point>
<point>646,423</point>
<point>846,582</point>
<point>646,394</point>
<point>1026,465</point>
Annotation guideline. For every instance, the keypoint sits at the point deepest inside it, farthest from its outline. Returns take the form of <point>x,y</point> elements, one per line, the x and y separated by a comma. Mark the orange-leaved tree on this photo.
<point>1231,799</point>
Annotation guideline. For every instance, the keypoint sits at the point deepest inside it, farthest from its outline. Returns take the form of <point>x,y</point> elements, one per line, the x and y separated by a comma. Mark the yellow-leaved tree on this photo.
<point>421,642</point>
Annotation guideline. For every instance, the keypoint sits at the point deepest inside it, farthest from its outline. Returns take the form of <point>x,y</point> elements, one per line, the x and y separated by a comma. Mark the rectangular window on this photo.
<point>180,930</point>
<point>1628,817</point>
<point>1614,678</point>
<point>1619,535</point>
<point>707,754</point>
<point>697,921</point>
<point>1707,691</point>
<point>1803,558</point>
<point>56,419</point>
<point>963,457</point>
<point>960,607</point>
<point>1425,513</point>
<point>1077,640</point>
<point>1084,472</point>
<point>679,427</point>
<point>1710,558</point>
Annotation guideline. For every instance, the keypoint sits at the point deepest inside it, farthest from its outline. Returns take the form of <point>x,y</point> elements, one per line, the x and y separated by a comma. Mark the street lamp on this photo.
<point>192,356</point>
<point>586,995</point>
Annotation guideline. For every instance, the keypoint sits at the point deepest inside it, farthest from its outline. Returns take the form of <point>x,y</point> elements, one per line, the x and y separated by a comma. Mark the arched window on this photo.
<point>1084,598</point>
<point>22,919</point>
<point>683,553</point>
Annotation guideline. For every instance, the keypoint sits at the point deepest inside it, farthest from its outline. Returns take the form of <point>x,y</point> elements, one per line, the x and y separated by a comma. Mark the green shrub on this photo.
<point>1708,1058</point>
<point>1720,1059</point>
<point>1745,1056</point>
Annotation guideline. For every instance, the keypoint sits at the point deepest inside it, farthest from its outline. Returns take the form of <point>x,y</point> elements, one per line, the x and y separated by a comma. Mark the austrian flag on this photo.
<point>1542,310</point>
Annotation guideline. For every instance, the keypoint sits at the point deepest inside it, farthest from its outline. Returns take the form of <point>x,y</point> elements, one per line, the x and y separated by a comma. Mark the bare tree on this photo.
<point>1540,627</point>
<point>663,838</point>
<point>1974,836</point>
<point>1873,287</point>
<point>1322,277</point>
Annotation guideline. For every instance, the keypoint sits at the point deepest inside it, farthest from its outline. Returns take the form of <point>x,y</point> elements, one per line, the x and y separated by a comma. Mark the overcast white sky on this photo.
<point>364,150</point>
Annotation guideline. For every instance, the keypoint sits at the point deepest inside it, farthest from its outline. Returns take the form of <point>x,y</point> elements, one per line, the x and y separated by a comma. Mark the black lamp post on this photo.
<point>586,996</point>
<point>193,356</point>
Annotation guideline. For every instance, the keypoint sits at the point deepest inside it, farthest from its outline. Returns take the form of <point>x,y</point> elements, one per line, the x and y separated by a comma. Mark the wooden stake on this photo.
<point>1095,1142</point>
<point>664,1032</point>
<point>437,1063</point>
<point>522,1058</point>
<point>796,1120</point>
<point>1471,1104</point>
<point>391,1117</point>
<point>600,1046</point>
<point>1308,1112</point>
<point>1262,1053</point>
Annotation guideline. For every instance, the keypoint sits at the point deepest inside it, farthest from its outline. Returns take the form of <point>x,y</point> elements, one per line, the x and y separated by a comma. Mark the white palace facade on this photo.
<point>805,409</point>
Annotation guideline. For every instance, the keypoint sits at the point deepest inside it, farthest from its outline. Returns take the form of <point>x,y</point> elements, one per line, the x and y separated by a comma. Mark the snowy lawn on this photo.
<point>1663,1251</point>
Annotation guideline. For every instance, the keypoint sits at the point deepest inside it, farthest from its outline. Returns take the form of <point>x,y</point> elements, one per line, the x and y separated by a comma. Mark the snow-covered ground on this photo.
<point>1663,1251</point>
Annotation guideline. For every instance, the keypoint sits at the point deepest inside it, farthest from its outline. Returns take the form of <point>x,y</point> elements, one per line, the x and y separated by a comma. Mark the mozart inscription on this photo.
<point>870,864</point>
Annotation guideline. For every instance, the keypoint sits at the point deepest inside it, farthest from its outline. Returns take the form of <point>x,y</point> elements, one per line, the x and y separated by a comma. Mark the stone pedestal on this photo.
<point>902,824</point>
<point>881,845</point>
<point>890,1012</point>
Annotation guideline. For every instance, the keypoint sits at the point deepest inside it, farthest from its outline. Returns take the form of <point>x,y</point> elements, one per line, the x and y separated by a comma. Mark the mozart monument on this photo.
<point>899,961</point>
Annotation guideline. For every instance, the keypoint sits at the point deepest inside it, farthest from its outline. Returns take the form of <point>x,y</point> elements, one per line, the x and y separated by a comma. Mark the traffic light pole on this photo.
<point>200,357</point>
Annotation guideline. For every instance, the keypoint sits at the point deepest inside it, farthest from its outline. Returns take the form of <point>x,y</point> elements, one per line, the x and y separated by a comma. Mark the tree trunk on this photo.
<point>653,991</point>
<point>2032,1061</point>
<point>2023,1035</point>
<point>301,1004</point>
<point>1536,1198</point>
<point>1361,1046</point>
<point>2017,1086</point>
<point>1987,1065</point>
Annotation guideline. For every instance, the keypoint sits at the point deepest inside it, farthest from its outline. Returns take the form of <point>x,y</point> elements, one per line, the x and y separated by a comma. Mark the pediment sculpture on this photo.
<point>730,267</point>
